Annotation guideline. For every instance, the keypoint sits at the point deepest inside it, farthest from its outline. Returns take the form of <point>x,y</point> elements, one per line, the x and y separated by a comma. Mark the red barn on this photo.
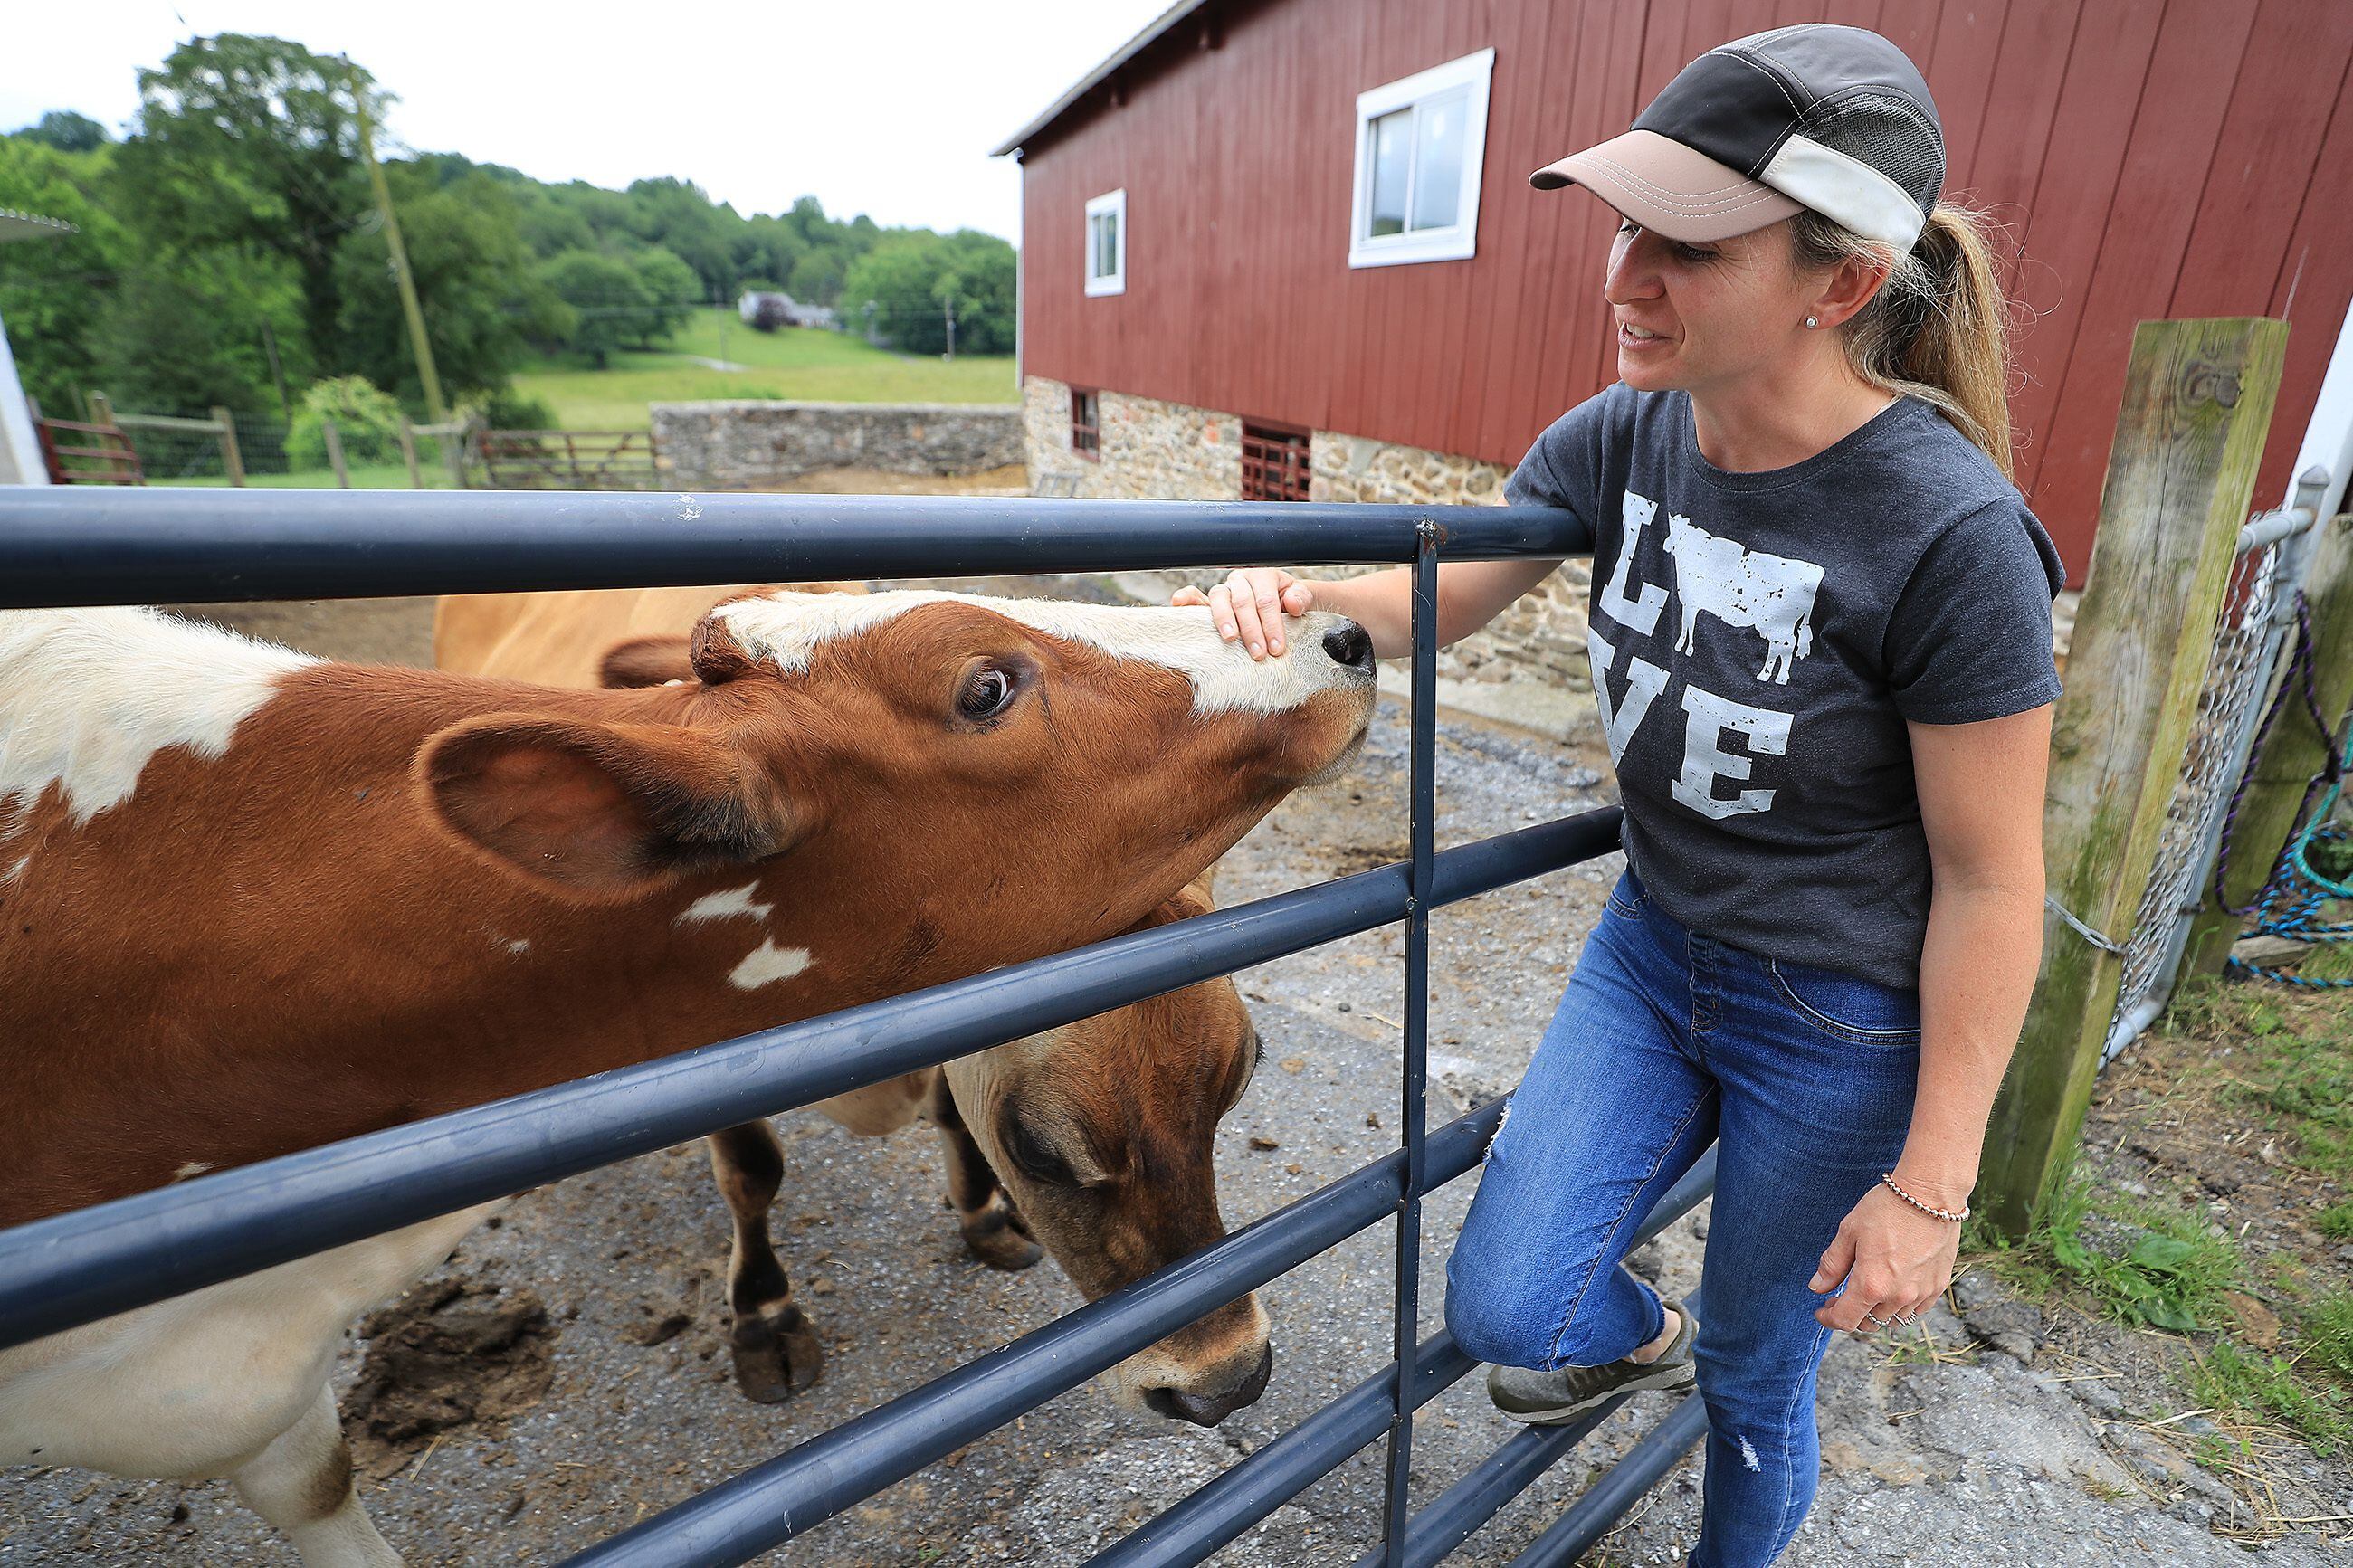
<point>1288,247</point>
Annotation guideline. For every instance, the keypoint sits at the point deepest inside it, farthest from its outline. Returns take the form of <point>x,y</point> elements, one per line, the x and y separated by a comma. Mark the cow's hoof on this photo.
<point>777,1357</point>
<point>998,1237</point>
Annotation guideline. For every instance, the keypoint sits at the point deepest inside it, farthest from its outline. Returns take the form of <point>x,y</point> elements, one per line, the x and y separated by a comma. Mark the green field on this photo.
<point>364,476</point>
<point>797,364</point>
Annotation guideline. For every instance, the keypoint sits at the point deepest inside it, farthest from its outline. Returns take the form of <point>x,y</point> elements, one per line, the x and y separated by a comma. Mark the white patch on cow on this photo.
<point>13,872</point>
<point>520,946</point>
<point>1743,588</point>
<point>766,964</point>
<point>193,1168</point>
<point>88,696</point>
<point>783,629</point>
<point>733,904</point>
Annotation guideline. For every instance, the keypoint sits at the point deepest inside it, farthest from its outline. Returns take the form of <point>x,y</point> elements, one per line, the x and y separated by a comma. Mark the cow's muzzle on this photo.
<point>1209,1409</point>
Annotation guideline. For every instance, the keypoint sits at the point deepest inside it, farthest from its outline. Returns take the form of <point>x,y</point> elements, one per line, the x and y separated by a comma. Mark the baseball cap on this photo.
<point>1834,118</point>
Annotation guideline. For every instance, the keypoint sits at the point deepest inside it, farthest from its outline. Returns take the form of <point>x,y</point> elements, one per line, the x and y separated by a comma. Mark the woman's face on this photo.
<point>1701,317</point>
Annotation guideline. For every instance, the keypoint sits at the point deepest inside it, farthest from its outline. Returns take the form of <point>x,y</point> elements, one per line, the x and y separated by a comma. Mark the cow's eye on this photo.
<point>986,694</point>
<point>1035,1160</point>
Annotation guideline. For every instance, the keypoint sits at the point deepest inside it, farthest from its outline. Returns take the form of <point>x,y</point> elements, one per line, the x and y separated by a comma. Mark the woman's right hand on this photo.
<point>1250,605</point>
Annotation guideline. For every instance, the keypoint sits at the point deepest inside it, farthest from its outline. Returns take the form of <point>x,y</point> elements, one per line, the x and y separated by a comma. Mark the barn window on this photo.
<point>1107,244</point>
<point>1421,144</point>
<point>1086,425</point>
<point>1275,463</point>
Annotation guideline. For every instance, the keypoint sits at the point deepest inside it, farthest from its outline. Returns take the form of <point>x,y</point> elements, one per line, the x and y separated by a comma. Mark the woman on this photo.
<point>1821,649</point>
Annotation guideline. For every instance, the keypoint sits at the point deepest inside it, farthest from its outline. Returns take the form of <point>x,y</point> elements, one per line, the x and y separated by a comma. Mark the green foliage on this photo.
<point>251,144</point>
<point>606,296</point>
<point>366,421</point>
<point>2230,1378</point>
<point>53,290</point>
<point>904,290</point>
<point>507,409</point>
<point>67,132</point>
<point>2143,1262</point>
<point>2336,1221</point>
<point>482,302</point>
<point>184,332</point>
<point>672,291</point>
<point>2329,1336</point>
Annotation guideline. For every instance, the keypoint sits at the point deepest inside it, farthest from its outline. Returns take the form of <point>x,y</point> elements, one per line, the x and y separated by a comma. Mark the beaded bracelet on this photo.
<point>1947,1216</point>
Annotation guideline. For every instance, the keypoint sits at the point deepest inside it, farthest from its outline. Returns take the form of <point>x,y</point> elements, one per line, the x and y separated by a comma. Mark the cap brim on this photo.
<point>1668,187</point>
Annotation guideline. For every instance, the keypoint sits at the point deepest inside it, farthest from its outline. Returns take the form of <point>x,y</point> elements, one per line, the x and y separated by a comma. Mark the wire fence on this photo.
<point>2249,638</point>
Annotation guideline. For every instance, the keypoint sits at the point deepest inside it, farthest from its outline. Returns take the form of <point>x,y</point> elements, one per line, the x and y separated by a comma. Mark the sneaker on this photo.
<point>1550,1399</point>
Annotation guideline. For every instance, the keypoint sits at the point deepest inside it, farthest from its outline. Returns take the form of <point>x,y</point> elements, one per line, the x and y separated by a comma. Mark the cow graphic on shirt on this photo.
<point>1742,587</point>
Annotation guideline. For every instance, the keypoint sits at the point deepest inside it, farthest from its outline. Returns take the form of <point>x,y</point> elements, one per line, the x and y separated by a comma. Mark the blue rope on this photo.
<point>2295,900</point>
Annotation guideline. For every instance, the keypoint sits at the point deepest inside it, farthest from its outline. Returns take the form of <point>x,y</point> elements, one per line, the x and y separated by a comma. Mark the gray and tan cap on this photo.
<point>1834,118</point>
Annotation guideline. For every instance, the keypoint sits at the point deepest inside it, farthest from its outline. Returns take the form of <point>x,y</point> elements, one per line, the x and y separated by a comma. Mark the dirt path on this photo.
<point>588,1386</point>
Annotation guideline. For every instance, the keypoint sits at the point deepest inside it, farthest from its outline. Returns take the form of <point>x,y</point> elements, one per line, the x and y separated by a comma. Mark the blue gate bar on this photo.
<point>70,545</point>
<point>1255,1486</point>
<point>1592,1516</point>
<point>74,1267</point>
<point>1413,1068</point>
<point>1449,1519</point>
<point>771,1503</point>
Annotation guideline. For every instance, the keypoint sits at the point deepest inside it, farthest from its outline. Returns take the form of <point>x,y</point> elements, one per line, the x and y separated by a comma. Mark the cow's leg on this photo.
<point>776,1352</point>
<point>302,1483</point>
<point>993,1228</point>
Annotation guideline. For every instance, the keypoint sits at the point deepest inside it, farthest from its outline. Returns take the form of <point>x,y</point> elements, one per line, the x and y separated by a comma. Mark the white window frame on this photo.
<point>1459,240</point>
<point>1116,204</point>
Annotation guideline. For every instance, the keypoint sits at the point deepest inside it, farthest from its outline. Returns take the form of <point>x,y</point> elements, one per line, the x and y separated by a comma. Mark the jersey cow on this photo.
<point>1096,1140</point>
<point>250,901</point>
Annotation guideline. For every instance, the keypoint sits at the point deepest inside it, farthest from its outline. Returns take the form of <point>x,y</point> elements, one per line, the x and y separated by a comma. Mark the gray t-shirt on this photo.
<point>1758,641</point>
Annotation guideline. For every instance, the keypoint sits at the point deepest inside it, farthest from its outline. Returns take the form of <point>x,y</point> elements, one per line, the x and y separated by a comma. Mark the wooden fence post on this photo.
<point>408,453</point>
<point>2197,405</point>
<point>232,461</point>
<point>102,409</point>
<point>2291,754</point>
<point>335,452</point>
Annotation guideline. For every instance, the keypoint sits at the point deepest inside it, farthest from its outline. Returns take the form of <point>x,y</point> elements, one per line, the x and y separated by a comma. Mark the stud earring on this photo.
<point>1810,322</point>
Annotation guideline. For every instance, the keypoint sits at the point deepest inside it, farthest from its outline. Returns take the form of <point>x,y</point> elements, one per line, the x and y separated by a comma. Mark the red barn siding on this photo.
<point>2151,158</point>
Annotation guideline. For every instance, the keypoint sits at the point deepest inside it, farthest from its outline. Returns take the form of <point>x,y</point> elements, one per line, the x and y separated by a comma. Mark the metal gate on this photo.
<point>60,548</point>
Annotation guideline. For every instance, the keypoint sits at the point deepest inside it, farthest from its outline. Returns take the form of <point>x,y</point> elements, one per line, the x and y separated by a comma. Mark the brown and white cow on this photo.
<point>250,901</point>
<point>1096,1140</point>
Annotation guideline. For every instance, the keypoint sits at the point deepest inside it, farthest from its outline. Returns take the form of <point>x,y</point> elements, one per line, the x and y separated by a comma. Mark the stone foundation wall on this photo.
<point>1172,452</point>
<point>741,445</point>
<point>1151,450</point>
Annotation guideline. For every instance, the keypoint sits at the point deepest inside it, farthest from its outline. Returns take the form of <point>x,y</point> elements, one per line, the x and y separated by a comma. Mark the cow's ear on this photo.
<point>598,808</point>
<point>653,660</point>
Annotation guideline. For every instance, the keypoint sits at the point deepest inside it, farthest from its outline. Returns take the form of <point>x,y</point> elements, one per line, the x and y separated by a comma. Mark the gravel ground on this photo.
<point>1942,1452</point>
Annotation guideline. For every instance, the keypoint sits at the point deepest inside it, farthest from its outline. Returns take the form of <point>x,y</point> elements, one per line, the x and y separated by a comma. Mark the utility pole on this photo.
<point>949,306</point>
<point>417,342</point>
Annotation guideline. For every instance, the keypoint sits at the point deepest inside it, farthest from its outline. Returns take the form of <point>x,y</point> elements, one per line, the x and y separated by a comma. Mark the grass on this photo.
<point>364,476</point>
<point>2269,1387</point>
<point>795,363</point>
<point>2141,1262</point>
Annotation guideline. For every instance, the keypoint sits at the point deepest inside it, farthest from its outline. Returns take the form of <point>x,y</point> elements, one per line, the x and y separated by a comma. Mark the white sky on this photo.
<point>886,107</point>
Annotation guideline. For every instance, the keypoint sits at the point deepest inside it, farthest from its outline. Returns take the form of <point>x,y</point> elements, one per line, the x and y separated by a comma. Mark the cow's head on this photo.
<point>993,778</point>
<point>1102,1132</point>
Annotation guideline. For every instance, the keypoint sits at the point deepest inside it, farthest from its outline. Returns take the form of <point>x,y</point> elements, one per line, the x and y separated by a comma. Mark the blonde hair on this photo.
<point>1938,327</point>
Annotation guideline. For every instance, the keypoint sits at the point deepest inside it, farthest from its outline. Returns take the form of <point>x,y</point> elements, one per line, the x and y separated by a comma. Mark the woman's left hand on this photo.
<point>1894,1261</point>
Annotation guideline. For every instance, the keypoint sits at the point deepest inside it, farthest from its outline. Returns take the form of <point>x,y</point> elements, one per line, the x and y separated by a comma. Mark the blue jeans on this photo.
<point>1665,1041</point>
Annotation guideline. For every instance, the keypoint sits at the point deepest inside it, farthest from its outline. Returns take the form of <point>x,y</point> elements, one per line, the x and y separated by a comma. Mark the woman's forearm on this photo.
<point>1470,595</point>
<point>1977,972</point>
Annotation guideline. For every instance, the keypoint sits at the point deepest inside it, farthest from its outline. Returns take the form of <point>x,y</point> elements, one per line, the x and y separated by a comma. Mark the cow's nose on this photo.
<point>1348,643</point>
<point>1207,1410</point>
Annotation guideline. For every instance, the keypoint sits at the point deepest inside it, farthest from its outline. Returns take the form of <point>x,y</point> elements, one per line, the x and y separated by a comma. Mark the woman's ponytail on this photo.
<point>1938,327</point>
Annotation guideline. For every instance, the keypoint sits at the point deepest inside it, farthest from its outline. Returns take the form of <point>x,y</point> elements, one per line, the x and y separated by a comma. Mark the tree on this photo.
<point>184,331</point>
<point>483,301</point>
<point>67,132</point>
<point>606,293</point>
<point>672,291</point>
<point>55,290</point>
<point>914,280</point>
<point>254,143</point>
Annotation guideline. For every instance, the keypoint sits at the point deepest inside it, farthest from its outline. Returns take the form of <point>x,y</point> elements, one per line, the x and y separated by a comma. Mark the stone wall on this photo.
<point>1151,450</point>
<point>1169,451</point>
<point>739,445</point>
